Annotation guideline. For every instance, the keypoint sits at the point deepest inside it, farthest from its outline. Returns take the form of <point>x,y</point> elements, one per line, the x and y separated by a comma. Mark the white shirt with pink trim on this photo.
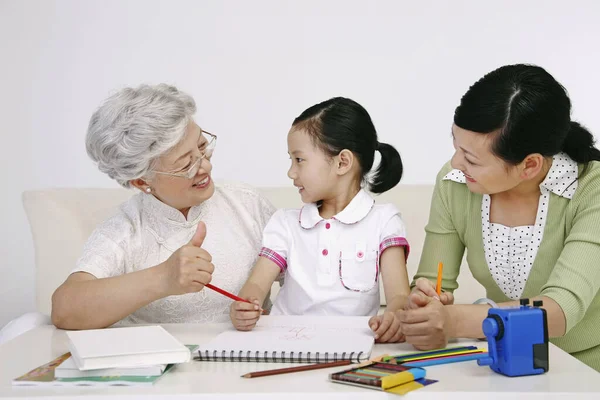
<point>332,265</point>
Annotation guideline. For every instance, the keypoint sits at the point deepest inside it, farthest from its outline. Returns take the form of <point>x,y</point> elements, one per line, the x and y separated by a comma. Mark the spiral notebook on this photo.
<point>294,339</point>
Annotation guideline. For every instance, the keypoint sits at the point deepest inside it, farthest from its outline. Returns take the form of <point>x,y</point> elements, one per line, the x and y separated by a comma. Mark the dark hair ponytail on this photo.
<point>528,111</point>
<point>340,123</point>
<point>579,144</point>
<point>389,171</point>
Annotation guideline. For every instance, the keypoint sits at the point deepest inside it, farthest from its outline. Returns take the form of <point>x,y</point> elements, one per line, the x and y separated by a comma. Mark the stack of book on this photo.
<point>117,356</point>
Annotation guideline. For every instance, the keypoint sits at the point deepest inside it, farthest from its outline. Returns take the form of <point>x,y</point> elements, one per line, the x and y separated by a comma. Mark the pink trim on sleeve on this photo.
<point>394,241</point>
<point>273,256</point>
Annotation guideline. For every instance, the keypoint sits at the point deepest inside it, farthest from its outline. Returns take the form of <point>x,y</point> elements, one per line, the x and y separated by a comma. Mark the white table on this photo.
<point>219,380</point>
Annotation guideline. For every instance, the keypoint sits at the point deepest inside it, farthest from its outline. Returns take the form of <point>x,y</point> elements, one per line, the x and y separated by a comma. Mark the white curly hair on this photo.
<point>134,127</point>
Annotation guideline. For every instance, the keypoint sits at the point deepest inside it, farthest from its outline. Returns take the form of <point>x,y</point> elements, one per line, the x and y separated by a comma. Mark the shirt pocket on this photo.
<point>359,268</point>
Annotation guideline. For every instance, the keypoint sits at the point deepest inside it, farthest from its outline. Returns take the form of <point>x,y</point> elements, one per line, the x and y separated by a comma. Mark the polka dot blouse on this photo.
<point>511,251</point>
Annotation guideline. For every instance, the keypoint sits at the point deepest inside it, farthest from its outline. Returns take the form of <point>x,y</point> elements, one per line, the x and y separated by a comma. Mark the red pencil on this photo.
<point>226,293</point>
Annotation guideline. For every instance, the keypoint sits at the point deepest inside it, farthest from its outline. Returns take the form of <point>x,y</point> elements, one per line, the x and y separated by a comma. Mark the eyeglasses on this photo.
<point>207,153</point>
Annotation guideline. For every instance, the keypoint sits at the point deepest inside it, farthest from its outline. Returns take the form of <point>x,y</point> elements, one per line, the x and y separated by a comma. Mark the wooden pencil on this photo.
<point>446,360</point>
<point>418,354</point>
<point>440,356</point>
<point>414,357</point>
<point>296,369</point>
<point>226,293</point>
<point>439,278</point>
<point>230,295</point>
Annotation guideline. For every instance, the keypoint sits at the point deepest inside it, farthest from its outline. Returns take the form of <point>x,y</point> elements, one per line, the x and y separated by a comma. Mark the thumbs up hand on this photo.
<point>199,235</point>
<point>189,268</point>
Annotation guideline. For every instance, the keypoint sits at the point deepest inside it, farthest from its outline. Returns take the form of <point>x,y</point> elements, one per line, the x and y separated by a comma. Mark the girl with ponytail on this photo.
<point>334,249</point>
<point>522,196</point>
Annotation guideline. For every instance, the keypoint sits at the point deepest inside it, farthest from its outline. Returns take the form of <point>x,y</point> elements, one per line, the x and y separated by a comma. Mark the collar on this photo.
<point>356,210</point>
<point>561,178</point>
<point>162,213</point>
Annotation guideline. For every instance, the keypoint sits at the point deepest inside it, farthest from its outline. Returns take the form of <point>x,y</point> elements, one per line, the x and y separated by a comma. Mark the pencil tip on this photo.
<point>247,376</point>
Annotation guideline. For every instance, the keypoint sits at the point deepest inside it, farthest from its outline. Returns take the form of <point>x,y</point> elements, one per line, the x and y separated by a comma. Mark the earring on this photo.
<point>148,189</point>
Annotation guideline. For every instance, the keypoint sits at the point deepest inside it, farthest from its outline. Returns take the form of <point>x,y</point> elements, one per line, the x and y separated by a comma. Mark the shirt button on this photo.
<point>324,252</point>
<point>327,225</point>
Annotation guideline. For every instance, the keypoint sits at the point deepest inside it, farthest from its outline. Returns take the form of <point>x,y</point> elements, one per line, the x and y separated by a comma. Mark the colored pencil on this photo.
<point>436,356</point>
<point>428,353</point>
<point>395,378</point>
<point>296,369</point>
<point>226,293</point>
<point>446,360</point>
<point>438,288</point>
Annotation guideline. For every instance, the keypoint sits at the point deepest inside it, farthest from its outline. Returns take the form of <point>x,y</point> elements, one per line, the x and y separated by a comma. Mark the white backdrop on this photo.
<point>252,67</point>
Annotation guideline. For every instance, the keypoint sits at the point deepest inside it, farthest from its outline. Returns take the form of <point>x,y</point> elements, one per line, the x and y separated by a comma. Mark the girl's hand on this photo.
<point>244,316</point>
<point>386,328</point>
<point>427,327</point>
<point>423,291</point>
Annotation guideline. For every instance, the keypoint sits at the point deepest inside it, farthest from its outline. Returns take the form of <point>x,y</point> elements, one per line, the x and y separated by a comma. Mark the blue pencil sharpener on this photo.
<point>517,339</point>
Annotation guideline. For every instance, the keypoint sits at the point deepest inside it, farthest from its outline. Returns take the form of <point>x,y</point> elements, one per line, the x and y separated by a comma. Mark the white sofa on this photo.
<point>62,219</point>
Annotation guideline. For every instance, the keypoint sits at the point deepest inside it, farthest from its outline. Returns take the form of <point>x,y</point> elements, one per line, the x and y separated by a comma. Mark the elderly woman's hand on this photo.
<point>423,290</point>
<point>189,268</point>
<point>427,327</point>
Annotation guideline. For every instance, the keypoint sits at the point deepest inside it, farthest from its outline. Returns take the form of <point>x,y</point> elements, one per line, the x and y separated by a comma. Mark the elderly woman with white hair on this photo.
<point>149,262</point>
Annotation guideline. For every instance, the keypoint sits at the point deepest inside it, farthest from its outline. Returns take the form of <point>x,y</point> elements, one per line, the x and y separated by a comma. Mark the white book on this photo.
<point>68,369</point>
<point>294,339</point>
<point>125,347</point>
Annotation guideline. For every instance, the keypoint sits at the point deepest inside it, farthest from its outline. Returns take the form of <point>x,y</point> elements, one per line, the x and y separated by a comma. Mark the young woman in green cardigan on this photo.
<point>522,196</point>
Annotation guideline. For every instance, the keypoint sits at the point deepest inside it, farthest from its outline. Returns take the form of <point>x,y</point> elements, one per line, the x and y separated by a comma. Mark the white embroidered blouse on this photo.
<point>510,251</point>
<point>145,232</point>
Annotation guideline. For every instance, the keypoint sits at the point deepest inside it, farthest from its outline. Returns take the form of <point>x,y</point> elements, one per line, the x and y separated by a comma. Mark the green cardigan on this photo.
<point>566,268</point>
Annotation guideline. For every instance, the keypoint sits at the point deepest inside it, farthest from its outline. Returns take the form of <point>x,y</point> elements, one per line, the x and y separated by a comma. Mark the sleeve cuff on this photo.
<point>395,241</point>
<point>275,257</point>
<point>570,305</point>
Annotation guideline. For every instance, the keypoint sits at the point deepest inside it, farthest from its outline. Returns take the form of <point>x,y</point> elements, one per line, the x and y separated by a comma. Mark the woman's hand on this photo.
<point>427,327</point>
<point>386,328</point>
<point>423,290</point>
<point>189,268</point>
<point>244,316</point>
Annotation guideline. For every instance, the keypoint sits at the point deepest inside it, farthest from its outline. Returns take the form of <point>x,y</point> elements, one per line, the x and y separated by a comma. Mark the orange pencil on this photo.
<point>438,288</point>
<point>296,369</point>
